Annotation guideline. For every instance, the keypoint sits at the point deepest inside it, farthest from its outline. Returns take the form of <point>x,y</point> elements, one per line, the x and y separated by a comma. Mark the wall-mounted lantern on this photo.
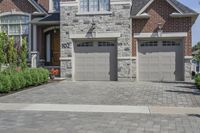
<point>160,29</point>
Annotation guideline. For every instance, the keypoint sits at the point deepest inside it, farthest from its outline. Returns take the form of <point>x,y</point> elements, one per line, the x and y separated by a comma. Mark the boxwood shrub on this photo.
<point>5,83</point>
<point>11,80</point>
<point>197,80</point>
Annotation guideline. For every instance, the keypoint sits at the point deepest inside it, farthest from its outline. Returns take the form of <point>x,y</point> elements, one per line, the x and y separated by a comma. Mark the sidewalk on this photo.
<point>98,108</point>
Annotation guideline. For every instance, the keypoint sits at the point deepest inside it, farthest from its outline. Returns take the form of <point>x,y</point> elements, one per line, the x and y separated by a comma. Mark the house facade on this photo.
<point>105,40</point>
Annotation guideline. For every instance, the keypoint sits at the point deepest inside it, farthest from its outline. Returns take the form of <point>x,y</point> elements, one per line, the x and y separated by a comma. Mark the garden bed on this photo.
<point>13,80</point>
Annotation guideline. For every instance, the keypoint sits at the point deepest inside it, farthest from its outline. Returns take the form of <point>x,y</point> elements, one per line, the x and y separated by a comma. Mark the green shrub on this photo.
<point>11,80</point>
<point>15,82</point>
<point>43,75</point>
<point>34,76</point>
<point>197,80</point>
<point>27,76</point>
<point>46,75</point>
<point>6,85</point>
<point>22,79</point>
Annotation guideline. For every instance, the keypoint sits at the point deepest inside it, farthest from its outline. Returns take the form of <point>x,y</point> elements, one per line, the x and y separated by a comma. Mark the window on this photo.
<point>170,43</point>
<point>54,5</point>
<point>105,44</point>
<point>149,44</point>
<point>85,44</point>
<point>16,26</point>
<point>94,5</point>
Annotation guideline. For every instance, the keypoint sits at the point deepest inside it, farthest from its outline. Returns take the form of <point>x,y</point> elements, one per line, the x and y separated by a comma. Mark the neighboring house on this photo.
<point>195,63</point>
<point>148,40</point>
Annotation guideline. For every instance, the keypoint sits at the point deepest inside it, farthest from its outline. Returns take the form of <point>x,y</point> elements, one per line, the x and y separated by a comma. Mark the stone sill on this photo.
<point>93,13</point>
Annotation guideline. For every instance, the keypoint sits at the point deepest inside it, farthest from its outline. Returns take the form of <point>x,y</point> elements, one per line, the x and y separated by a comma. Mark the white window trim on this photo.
<point>92,12</point>
<point>51,10</point>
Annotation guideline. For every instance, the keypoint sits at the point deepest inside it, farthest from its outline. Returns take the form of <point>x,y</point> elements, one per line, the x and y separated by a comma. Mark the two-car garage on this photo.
<point>160,60</point>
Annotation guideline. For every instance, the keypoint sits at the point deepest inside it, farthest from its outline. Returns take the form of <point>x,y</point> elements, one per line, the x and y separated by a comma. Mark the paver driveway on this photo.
<point>110,93</point>
<point>62,122</point>
<point>22,120</point>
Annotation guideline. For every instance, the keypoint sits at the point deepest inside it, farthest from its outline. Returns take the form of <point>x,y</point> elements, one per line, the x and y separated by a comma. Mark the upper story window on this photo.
<point>94,5</point>
<point>54,5</point>
<point>16,26</point>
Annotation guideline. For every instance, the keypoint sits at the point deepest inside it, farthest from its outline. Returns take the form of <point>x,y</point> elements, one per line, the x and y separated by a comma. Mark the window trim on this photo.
<point>51,7</point>
<point>99,12</point>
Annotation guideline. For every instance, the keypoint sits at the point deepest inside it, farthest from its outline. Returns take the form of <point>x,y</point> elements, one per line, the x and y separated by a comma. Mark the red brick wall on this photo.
<point>159,12</point>
<point>18,5</point>
<point>44,4</point>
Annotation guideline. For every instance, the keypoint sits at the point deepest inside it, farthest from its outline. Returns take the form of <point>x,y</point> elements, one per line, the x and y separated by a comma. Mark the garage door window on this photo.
<point>170,43</point>
<point>105,44</point>
<point>149,44</point>
<point>85,44</point>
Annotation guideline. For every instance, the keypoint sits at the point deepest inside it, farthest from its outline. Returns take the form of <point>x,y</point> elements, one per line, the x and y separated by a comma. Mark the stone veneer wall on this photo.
<point>188,68</point>
<point>117,21</point>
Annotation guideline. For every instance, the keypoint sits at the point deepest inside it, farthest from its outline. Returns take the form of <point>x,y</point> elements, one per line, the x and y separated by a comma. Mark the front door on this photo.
<point>56,48</point>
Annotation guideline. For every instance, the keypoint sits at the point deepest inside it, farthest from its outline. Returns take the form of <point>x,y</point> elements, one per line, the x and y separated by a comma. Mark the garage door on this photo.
<point>95,61</point>
<point>161,61</point>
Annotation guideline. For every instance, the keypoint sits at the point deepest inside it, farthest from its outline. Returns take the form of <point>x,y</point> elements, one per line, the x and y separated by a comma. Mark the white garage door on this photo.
<point>161,61</point>
<point>95,61</point>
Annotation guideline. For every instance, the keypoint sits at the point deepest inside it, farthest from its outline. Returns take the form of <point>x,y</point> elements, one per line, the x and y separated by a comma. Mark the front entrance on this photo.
<point>56,49</point>
<point>53,48</point>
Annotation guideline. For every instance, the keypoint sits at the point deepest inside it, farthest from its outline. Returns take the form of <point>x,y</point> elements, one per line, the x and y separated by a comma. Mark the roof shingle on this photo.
<point>139,4</point>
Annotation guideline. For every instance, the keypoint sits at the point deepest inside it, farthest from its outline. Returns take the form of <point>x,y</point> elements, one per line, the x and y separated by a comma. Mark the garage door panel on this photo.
<point>160,61</point>
<point>95,62</point>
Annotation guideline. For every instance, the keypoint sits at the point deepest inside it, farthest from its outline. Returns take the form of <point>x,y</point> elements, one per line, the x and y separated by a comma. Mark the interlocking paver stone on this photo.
<point>110,93</point>
<point>64,122</point>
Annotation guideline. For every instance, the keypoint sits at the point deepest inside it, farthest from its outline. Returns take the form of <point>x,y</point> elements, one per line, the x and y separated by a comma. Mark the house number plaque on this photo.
<point>66,45</point>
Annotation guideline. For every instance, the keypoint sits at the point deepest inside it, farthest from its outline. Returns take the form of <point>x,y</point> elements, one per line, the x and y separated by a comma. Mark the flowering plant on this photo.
<point>54,72</point>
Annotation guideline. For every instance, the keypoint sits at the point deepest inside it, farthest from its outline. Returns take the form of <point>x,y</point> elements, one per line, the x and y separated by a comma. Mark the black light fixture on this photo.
<point>93,25</point>
<point>160,31</point>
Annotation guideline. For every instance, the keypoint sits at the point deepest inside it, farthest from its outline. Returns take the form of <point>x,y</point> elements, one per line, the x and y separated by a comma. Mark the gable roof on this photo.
<point>53,18</point>
<point>139,5</point>
<point>37,6</point>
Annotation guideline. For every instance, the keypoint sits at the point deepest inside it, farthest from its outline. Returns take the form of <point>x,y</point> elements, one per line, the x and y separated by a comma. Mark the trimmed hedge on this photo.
<point>197,80</point>
<point>12,80</point>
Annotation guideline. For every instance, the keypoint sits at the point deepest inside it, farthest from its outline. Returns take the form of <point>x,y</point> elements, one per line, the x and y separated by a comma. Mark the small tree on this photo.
<point>11,53</point>
<point>197,47</point>
<point>3,46</point>
<point>23,54</point>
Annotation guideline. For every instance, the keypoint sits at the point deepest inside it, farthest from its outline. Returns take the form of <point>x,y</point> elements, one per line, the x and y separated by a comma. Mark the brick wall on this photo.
<point>44,4</point>
<point>18,5</point>
<point>159,12</point>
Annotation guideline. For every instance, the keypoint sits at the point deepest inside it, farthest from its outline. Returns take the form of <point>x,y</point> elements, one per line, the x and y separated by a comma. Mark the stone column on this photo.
<point>188,68</point>
<point>34,59</point>
<point>34,53</point>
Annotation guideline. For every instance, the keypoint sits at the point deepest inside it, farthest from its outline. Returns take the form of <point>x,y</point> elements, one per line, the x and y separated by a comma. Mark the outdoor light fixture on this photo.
<point>93,25</point>
<point>160,26</point>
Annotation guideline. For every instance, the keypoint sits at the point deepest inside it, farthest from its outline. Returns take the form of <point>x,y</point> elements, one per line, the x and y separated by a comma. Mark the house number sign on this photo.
<point>66,45</point>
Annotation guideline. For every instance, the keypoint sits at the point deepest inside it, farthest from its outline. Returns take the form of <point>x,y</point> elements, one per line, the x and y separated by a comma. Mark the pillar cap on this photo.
<point>34,52</point>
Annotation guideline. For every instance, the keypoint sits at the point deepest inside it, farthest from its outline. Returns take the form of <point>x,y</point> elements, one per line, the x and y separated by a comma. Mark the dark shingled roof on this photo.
<point>139,4</point>
<point>52,17</point>
<point>49,19</point>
